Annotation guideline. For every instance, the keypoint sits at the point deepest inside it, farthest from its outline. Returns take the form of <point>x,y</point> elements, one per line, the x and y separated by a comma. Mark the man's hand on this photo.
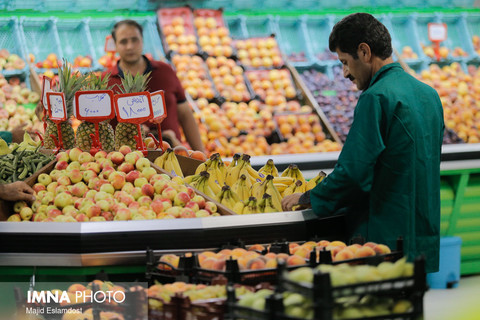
<point>291,201</point>
<point>170,135</point>
<point>18,132</point>
<point>17,191</point>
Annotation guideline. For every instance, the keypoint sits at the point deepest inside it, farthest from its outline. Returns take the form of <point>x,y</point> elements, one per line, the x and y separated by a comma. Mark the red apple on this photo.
<point>61,165</point>
<point>132,176</point>
<point>148,190</point>
<point>126,167</point>
<point>181,199</point>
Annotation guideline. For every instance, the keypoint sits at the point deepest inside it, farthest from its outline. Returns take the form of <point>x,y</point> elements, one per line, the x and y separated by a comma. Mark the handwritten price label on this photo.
<point>133,107</point>
<point>110,44</point>
<point>94,105</point>
<point>46,87</point>
<point>158,106</point>
<point>56,106</point>
<point>437,31</point>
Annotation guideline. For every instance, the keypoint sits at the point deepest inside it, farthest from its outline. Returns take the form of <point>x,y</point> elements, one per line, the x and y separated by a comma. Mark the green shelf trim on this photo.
<point>77,15</point>
<point>459,172</point>
<point>470,267</point>
<point>463,182</point>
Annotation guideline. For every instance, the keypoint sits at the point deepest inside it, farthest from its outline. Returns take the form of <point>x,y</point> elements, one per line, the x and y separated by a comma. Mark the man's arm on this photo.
<point>189,126</point>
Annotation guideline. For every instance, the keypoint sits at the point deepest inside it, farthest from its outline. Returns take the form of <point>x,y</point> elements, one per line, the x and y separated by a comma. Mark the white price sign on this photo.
<point>158,105</point>
<point>437,31</point>
<point>110,44</point>
<point>134,107</point>
<point>46,87</point>
<point>56,106</point>
<point>94,104</point>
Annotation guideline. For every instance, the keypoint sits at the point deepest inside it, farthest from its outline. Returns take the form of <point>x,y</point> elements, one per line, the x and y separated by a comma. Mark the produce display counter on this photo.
<point>124,242</point>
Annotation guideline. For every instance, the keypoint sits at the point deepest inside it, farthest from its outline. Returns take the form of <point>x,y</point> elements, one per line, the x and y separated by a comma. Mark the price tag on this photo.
<point>94,105</point>
<point>56,106</point>
<point>158,106</point>
<point>46,87</point>
<point>110,44</point>
<point>133,107</point>
<point>437,32</point>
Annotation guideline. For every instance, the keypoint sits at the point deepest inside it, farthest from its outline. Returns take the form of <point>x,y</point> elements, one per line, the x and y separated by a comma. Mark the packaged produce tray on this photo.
<point>211,13</point>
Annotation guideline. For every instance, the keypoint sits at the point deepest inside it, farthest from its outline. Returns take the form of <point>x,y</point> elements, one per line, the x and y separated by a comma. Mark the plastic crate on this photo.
<point>237,27</point>
<point>58,5</point>
<point>75,39</point>
<point>403,32</point>
<point>448,275</point>
<point>40,37</point>
<point>292,40</point>
<point>458,35</point>
<point>99,29</point>
<point>421,22</point>
<point>151,38</point>
<point>36,5</point>
<point>10,38</point>
<point>119,5</point>
<point>317,33</point>
<point>259,26</point>
<point>244,5</point>
<point>473,27</point>
<point>91,5</point>
<point>210,13</point>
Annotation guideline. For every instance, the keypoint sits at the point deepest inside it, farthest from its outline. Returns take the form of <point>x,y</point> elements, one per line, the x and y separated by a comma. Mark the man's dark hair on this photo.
<point>131,23</point>
<point>356,28</point>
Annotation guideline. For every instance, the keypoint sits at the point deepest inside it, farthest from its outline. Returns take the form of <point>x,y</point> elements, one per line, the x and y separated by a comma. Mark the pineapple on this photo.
<point>105,130</point>
<point>125,132</point>
<point>68,83</point>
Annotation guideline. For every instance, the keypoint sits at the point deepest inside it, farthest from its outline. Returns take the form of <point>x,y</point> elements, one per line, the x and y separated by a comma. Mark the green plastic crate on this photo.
<point>259,26</point>
<point>317,32</point>
<point>75,39</point>
<point>10,39</point>
<point>458,34</point>
<point>40,37</point>
<point>473,26</point>
<point>99,29</point>
<point>291,38</point>
<point>237,27</point>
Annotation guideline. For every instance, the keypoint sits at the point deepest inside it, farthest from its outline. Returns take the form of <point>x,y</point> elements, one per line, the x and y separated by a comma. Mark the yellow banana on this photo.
<point>203,186</point>
<point>299,187</point>
<point>269,168</point>
<point>257,190</point>
<point>313,182</point>
<point>191,179</point>
<point>285,180</point>
<point>250,206</point>
<point>261,205</point>
<point>238,207</point>
<point>233,175</point>
<point>241,189</point>
<point>269,207</point>
<point>202,167</point>
<point>287,172</point>
<point>161,160</point>
<point>171,163</point>
<point>276,196</point>
<point>298,174</point>
<point>222,172</point>
<point>289,190</point>
<point>214,186</point>
<point>281,187</point>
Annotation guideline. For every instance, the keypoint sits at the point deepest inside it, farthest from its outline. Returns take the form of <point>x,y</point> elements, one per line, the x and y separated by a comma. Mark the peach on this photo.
<point>225,253</point>
<point>295,261</point>
<point>344,254</point>
<point>171,259</point>
<point>116,157</point>
<point>208,263</point>
<point>37,187</point>
<point>381,249</point>
<point>338,244</point>
<point>370,244</point>
<point>354,247</point>
<point>238,252</point>
<point>256,247</point>
<point>76,287</point>
<point>310,245</point>
<point>255,264</point>
<point>364,252</point>
<point>292,245</point>
<point>302,252</point>
<point>271,255</point>
<point>271,264</point>
<point>334,250</point>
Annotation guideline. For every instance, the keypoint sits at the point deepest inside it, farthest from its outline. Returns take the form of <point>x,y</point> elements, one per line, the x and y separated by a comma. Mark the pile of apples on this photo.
<point>213,37</point>
<point>13,94</point>
<point>459,93</point>
<point>116,186</point>
<point>82,61</point>
<point>259,52</point>
<point>272,86</point>
<point>193,74</point>
<point>228,78</point>
<point>179,36</point>
<point>10,61</point>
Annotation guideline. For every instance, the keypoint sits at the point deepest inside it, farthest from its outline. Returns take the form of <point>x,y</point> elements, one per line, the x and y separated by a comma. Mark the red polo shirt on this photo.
<point>163,77</point>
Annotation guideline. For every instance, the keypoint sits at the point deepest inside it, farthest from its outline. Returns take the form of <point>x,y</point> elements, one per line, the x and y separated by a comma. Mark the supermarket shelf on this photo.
<point>89,244</point>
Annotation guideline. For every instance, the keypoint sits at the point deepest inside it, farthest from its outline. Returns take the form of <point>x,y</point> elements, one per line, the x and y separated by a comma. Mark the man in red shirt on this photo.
<point>128,37</point>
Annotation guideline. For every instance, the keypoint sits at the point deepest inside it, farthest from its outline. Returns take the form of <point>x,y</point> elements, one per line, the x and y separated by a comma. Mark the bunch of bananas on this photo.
<point>269,169</point>
<point>229,199</point>
<point>242,166</point>
<point>267,186</point>
<point>169,162</point>
<point>216,168</point>
<point>203,183</point>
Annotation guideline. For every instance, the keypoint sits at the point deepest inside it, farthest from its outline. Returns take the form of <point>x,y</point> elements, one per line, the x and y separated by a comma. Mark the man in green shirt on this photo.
<point>388,172</point>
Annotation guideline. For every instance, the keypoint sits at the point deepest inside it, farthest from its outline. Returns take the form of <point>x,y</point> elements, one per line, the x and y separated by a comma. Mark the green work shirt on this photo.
<point>390,165</point>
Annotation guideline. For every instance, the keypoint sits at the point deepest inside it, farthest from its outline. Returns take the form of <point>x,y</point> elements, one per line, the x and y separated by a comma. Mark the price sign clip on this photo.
<point>39,135</point>
<point>159,114</point>
<point>437,32</point>
<point>140,145</point>
<point>58,114</point>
